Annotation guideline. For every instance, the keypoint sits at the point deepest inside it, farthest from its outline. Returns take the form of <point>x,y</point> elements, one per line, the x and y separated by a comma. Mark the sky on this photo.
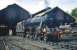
<point>34,6</point>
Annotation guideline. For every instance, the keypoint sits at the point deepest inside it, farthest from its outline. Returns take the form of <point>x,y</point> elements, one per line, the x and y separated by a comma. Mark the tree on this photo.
<point>74,12</point>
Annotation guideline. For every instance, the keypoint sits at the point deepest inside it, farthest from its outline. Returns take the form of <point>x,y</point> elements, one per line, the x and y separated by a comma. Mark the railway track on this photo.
<point>2,45</point>
<point>20,43</point>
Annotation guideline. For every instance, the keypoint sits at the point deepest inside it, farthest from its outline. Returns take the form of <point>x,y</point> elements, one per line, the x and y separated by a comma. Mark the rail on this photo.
<point>21,43</point>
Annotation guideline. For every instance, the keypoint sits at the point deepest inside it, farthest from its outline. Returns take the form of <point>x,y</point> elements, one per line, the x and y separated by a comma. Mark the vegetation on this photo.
<point>74,13</point>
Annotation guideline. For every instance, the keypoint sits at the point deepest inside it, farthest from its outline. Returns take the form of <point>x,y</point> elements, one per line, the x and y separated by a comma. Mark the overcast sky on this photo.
<point>36,5</point>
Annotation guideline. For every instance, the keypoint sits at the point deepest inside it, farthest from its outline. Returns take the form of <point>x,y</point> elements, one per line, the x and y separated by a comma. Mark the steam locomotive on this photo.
<point>40,28</point>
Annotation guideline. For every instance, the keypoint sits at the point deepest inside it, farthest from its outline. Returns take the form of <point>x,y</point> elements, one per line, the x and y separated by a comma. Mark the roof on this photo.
<point>59,14</point>
<point>55,17</point>
<point>42,11</point>
<point>13,14</point>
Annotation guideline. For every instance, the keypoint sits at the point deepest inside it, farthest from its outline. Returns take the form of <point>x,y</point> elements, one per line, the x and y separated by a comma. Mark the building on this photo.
<point>10,16</point>
<point>52,17</point>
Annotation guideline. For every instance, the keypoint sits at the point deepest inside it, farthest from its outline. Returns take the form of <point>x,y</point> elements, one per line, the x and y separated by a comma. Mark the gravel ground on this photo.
<point>20,43</point>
